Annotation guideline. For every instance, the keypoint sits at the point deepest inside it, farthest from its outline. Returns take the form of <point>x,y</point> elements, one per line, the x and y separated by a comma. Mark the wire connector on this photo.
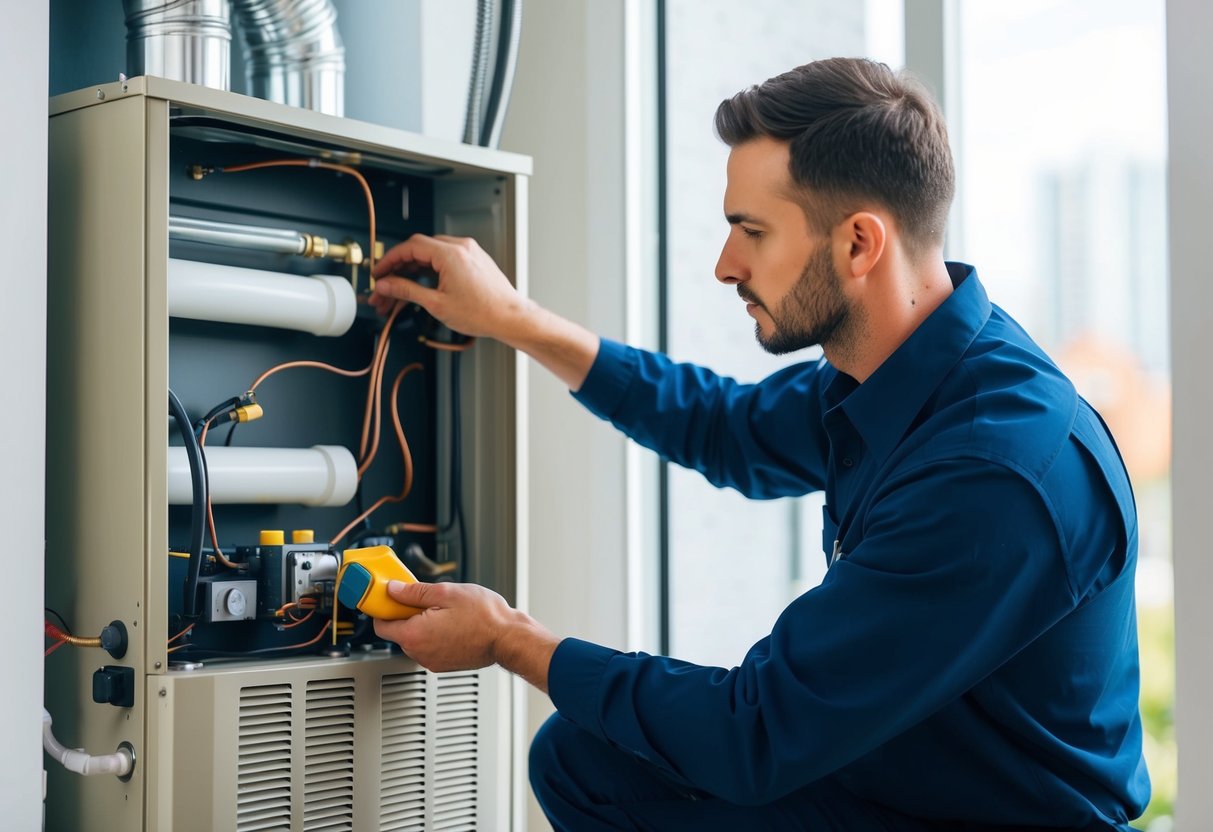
<point>249,411</point>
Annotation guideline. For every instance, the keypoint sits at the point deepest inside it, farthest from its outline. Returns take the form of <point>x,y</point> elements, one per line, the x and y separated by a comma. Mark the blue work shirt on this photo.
<point>971,654</point>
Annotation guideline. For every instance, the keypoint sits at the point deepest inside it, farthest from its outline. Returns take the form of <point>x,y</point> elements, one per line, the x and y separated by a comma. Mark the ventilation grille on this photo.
<point>455,771</point>
<point>328,766</point>
<point>402,758</point>
<point>263,768</point>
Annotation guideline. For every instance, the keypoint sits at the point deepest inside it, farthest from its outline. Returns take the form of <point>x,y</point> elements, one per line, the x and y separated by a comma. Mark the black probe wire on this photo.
<point>198,480</point>
<point>455,523</point>
<point>217,410</point>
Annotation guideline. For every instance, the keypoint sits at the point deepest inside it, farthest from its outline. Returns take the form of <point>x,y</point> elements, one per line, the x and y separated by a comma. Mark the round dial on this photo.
<point>234,602</point>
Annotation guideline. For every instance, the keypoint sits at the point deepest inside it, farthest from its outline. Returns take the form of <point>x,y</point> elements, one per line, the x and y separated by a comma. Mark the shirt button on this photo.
<point>847,462</point>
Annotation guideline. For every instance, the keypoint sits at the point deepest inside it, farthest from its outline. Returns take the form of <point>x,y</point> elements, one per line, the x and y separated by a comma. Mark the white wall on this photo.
<point>23,59</point>
<point>570,112</point>
<point>1190,179</point>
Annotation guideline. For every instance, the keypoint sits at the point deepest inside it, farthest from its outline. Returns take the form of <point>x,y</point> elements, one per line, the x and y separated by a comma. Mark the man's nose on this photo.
<point>728,270</point>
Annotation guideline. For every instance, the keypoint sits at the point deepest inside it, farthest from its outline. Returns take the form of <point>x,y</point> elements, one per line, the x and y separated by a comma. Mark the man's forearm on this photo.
<point>563,347</point>
<point>524,647</point>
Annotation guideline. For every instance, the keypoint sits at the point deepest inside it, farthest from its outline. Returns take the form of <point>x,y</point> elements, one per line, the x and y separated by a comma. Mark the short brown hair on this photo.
<point>856,131</point>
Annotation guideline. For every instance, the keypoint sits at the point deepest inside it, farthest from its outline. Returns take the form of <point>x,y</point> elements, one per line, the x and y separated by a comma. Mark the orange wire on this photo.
<point>420,528</point>
<point>317,638</point>
<point>439,345</point>
<point>375,395</point>
<point>180,634</point>
<point>405,453</point>
<point>293,604</point>
<point>295,622</point>
<point>374,368</point>
<point>318,364</point>
<point>316,163</point>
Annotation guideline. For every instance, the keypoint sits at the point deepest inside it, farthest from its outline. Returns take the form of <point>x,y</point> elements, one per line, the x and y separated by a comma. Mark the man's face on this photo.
<point>783,269</point>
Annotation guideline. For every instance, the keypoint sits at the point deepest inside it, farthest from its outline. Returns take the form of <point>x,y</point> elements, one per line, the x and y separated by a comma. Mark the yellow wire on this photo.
<point>179,554</point>
<point>336,585</point>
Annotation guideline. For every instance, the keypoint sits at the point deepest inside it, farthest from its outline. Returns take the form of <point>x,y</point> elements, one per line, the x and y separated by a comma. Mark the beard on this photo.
<point>813,313</point>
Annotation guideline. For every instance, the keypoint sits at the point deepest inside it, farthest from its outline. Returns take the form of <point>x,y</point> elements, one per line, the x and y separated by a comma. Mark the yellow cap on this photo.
<point>272,537</point>
<point>303,536</point>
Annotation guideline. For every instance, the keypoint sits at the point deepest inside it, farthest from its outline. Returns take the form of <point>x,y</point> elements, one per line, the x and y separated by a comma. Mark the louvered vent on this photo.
<point>328,768</point>
<point>402,760</point>
<point>454,777</point>
<point>263,769</point>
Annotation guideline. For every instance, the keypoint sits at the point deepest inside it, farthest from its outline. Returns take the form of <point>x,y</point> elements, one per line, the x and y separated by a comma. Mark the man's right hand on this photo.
<point>474,297</point>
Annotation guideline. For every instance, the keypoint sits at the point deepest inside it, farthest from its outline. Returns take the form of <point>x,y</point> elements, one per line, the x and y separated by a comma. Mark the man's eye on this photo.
<point>752,233</point>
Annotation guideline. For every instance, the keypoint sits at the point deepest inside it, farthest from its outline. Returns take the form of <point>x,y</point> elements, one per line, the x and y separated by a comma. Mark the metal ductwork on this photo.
<point>293,52</point>
<point>489,89</point>
<point>186,40</point>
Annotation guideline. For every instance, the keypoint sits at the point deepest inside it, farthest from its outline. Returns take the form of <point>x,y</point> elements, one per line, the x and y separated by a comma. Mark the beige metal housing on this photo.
<point>362,743</point>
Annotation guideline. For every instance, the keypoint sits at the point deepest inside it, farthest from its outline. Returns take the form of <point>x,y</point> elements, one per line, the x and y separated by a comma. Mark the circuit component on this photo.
<point>289,572</point>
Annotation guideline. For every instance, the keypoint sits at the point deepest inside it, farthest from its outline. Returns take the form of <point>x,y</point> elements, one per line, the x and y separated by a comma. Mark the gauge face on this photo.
<point>234,602</point>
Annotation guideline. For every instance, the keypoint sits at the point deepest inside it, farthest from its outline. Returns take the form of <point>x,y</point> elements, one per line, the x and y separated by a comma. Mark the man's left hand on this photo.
<point>465,627</point>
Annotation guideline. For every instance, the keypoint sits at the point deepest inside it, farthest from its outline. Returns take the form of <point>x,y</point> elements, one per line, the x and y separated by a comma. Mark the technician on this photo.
<point>970,659</point>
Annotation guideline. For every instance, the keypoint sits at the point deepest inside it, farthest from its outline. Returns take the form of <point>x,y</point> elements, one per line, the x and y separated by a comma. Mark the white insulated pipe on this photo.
<point>119,763</point>
<point>323,475</point>
<point>321,305</point>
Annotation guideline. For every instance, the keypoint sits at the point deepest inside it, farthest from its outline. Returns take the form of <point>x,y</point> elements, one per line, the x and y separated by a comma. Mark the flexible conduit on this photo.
<point>482,41</point>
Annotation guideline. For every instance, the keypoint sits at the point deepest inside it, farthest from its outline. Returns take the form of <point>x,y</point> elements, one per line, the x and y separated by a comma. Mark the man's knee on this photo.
<point>551,749</point>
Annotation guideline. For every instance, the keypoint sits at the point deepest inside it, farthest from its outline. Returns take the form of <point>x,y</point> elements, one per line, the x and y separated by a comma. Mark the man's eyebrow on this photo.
<point>737,218</point>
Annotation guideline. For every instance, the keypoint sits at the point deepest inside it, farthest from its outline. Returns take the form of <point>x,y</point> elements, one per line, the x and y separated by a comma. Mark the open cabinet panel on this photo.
<point>170,273</point>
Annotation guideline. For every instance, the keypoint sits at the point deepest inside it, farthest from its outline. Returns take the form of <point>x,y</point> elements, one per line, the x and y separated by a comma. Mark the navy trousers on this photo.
<point>585,785</point>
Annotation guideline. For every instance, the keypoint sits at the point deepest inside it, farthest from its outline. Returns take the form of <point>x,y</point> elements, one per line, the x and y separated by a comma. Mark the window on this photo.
<point>1061,206</point>
<point>735,564</point>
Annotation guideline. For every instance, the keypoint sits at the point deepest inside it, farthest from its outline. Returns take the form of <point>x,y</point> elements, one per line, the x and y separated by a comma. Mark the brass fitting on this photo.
<point>348,252</point>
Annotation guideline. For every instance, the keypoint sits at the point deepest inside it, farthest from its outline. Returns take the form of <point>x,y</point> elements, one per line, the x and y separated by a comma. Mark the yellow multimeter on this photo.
<point>364,578</point>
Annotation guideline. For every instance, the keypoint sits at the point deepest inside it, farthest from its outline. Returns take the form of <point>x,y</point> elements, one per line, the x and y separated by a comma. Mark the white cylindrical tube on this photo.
<point>324,475</point>
<point>119,763</point>
<point>321,305</point>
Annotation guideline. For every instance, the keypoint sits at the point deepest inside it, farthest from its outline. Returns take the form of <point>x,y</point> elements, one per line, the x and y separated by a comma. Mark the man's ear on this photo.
<point>860,239</point>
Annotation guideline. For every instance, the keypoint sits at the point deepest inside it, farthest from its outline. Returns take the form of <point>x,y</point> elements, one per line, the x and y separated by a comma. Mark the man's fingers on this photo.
<point>416,250</point>
<point>415,595</point>
<point>410,291</point>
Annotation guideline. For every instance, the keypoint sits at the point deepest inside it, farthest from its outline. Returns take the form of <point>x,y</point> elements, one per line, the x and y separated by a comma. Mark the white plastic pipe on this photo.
<point>320,305</point>
<point>324,475</point>
<point>119,763</point>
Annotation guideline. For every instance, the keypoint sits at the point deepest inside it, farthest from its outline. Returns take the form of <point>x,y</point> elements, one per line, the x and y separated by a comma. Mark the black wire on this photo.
<point>215,411</point>
<point>62,620</point>
<point>198,480</point>
<point>455,523</point>
<point>227,442</point>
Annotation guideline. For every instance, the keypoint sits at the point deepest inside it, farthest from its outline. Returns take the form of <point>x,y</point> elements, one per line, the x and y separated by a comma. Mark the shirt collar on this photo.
<point>882,408</point>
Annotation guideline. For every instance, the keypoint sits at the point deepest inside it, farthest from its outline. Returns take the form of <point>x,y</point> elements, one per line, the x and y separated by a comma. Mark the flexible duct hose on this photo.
<point>505,67</point>
<point>480,65</point>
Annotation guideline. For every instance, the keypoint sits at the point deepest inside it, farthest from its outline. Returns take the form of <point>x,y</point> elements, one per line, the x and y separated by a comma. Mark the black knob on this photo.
<point>114,685</point>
